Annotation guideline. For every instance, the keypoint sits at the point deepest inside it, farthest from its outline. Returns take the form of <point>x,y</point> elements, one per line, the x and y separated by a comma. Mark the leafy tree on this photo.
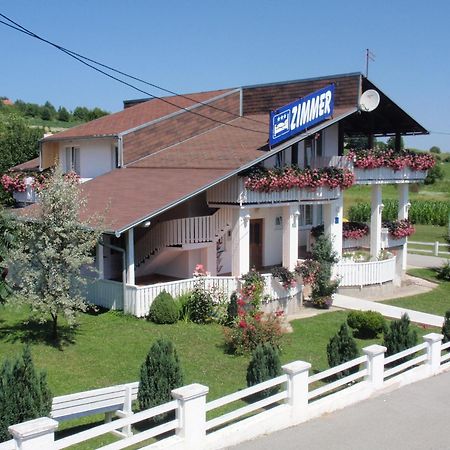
<point>24,393</point>
<point>81,113</point>
<point>7,237</point>
<point>264,365</point>
<point>342,348</point>
<point>18,142</point>
<point>435,149</point>
<point>160,374</point>
<point>32,110</point>
<point>356,142</point>
<point>96,113</point>
<point>391,143</point>
<point>399,336</point>
<point>434,174</point>
<point>63,114</point>
<point>46,114</point>
<point>51,249</point>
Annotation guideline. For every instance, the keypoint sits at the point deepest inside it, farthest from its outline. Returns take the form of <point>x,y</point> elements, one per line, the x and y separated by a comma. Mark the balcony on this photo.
<point>386,175</point>
<point>234,192</point>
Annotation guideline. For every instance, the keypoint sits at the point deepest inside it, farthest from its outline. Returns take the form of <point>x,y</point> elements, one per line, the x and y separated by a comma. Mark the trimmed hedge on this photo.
<point>366,324</point>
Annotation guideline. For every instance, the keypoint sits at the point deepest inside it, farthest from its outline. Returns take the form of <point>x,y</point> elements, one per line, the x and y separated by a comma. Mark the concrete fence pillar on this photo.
<point>290,236</point>
<point>297,387</point>
<point>375,365</point>
<point>375,221</point>
<point>36,434</point>
<point>191,414</point>
<point>434,343</point>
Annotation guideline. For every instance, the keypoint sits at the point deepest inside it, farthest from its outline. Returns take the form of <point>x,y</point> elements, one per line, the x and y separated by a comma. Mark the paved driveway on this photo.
<point>414,417</point>
<point>425,261</point>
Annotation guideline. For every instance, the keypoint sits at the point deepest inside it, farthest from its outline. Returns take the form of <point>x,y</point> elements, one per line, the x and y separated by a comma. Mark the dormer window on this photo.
<point>73,159</point>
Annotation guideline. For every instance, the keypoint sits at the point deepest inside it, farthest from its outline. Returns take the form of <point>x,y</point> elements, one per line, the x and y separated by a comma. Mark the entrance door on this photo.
<point>256,243</point>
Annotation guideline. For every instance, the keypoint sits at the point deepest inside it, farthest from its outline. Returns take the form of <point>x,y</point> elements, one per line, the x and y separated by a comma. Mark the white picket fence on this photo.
<point>298,397</point>
<point>109,294</point>
<point>365,273</point>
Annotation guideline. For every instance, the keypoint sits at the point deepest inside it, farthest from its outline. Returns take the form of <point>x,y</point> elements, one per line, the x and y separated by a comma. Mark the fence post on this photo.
<point>297,387</point>
<point>434,342</point>
<point>36,434</point>
<point>375,365</point>
<point>127,409</point>
<point>191,414</point>
<point>436,248</point>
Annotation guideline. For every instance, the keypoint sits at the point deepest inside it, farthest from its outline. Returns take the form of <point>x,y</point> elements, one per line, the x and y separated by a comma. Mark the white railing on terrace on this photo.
<point>386,175</point>
<point>233,191</point>
<point>365,273</point>
<point>387,241</point>
<point>109,294</point>
<point>188,230</point>
<point>297,397</point>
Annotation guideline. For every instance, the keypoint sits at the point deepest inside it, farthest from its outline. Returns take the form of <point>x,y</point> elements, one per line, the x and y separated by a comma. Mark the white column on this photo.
<point>375,221</point>
<point>403,210</point>
<point>36,434</point>
<point>332,219</point>
<point>130,256</point>
<point>210,259</point>
<point>290,236</point>
<point>100,262</point>
<point>375,364</point>
<point>240,242</point>
<point>191,414</point>
<point>434,342</point>
<point>297,387</point>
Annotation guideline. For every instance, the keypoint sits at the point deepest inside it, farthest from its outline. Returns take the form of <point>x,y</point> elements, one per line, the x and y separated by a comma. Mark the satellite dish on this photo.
<point>369,100</point>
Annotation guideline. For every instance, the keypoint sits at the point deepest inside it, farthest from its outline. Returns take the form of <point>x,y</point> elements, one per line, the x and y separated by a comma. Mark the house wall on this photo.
<point>96,156</point>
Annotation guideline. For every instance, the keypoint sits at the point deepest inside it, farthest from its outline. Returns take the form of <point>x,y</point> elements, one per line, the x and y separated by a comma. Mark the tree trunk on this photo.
<point>55,326</point>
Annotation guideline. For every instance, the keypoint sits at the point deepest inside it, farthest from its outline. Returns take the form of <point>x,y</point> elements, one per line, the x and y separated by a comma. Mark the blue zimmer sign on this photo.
<point>292,119</point>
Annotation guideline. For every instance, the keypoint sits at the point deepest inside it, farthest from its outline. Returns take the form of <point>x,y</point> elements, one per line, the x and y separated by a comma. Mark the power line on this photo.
<point>447,133</point>
<point>82,59</point>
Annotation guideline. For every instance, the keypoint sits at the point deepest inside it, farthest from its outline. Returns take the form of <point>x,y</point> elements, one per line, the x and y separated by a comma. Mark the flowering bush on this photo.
<point>374,158</point>
<point>284,276</point>
<point>354,230</point>
<point>13,183</point>
<point>399,229</point>
<point>308,270</point>
<point>275,180</point>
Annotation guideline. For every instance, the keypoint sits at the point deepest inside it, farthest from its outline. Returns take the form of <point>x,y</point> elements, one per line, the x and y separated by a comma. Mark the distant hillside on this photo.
<point>48,116</point>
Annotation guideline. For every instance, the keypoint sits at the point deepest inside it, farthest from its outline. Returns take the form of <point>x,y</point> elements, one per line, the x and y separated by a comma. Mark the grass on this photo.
<point>51,124</point>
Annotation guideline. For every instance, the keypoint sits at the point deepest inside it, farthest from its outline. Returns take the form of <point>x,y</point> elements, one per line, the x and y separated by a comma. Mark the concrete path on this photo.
<point>425,261</point>
<point>414,417</point>
<point>394,312</point>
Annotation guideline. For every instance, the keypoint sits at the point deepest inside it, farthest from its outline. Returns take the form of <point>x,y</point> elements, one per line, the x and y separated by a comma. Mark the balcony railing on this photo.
<point>386,175</point>
<point>233,191</point>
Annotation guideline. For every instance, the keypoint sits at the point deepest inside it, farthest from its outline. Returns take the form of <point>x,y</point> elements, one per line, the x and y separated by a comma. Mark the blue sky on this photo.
<point>194,45</point>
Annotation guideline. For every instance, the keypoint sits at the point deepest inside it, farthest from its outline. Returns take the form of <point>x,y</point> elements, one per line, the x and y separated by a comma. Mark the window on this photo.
<point>294,154</point>
<point>73,159</point>
<point>115,160</point>
<point>306,216</point>
<point>279,162</point>
<point>313,149</point>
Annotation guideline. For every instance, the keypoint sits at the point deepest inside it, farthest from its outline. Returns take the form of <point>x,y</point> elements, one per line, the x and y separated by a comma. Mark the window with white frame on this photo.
<point>306,215</point>
<point>73,159</point>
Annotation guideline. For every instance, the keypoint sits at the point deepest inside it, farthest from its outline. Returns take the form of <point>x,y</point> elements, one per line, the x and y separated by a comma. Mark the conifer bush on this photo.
<point>399,336</point>
<point>160,373</point>
<point>24,393</point>
<point>232,309</point>
<point>163,309</point>
<point>342,348</point>
<point>446,328</point>
<point>264,365</point>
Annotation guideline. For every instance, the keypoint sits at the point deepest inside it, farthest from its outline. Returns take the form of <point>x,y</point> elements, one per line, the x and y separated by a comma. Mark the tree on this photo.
<point>7,238</point>
<point>51,249</point>
<point>160,374</point>
<point>24,393</point>
<point>264,365</point>
<point>435,149</point>
<point>391,143</point>
<point>81,113</point>
<point>342,348</point>
<point>63,114</point>
<point>18,142</point>
<point>399,337</point>
<point>46,114</point>
<point>434,174</point>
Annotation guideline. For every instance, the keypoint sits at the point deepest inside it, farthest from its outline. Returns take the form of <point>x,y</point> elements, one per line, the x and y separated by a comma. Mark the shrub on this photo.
<point>264,365</point>
<point>249,331</point>
<point>446,327</point>
<point>163,309</point>
<point>434,174</point>
<point>182,305</point>
<point>284,276</point>
<point>160,373</point>
<point>24,393</point>
<point>340,349</point>
<point>232,310</point>
<point>399,337</point>
<point>444,272</point>
<point>200,305</point>
<point>367,324</point>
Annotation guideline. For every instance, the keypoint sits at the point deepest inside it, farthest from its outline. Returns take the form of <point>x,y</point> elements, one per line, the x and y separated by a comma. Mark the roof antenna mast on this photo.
<point>369,56</point>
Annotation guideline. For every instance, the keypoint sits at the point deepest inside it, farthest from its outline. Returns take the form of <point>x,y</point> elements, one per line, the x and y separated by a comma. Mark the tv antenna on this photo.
<point>370,56</point>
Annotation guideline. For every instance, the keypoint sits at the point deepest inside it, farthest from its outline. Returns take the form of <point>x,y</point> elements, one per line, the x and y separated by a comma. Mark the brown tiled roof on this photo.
<point>135,116</point>
<point>33,164</point>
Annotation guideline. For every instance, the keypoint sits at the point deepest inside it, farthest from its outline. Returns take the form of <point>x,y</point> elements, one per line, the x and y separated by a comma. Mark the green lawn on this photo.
<point>51,124</point>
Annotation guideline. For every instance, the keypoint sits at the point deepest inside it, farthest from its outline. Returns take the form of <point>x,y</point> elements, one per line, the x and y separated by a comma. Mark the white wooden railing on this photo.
<point>435,247</point>
<point>298,397</point>
<point>365,273</point>
<point>233,191</point>
<point>188,230</point>
<point>109,294</point>
<point>386,175</point>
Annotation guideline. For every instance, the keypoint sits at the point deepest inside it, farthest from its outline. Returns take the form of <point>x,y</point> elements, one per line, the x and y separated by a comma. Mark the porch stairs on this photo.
<point>180,232</point>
